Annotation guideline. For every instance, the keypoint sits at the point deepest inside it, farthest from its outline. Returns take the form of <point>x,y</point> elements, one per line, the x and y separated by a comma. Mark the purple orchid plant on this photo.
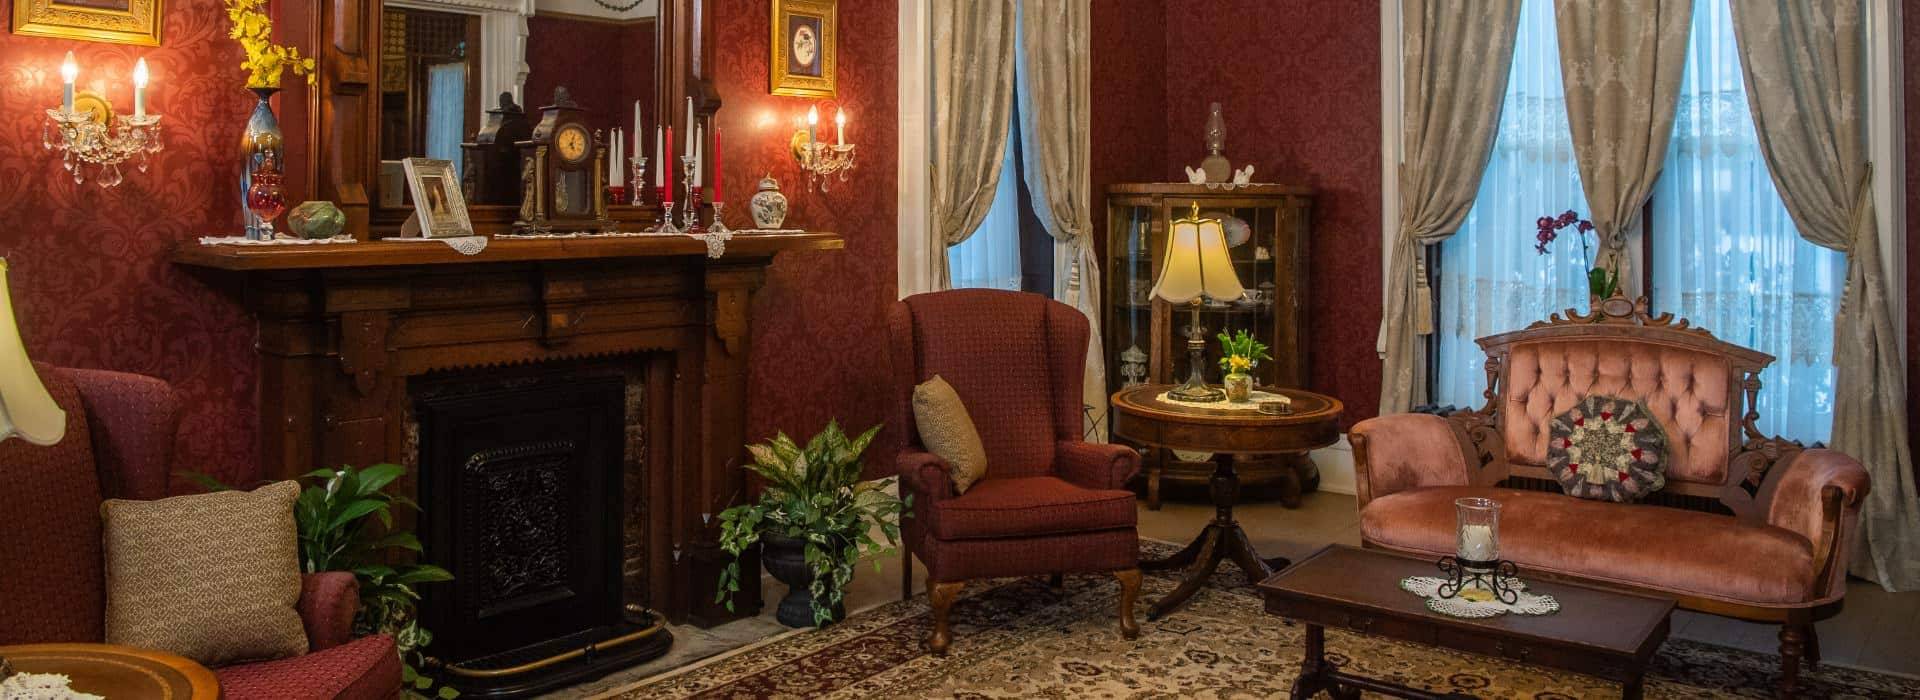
<point>1601,282</point>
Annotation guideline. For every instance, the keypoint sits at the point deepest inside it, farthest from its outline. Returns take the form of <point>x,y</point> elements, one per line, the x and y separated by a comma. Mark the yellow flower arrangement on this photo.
<point>1239,353</point>
<point>265,61</point>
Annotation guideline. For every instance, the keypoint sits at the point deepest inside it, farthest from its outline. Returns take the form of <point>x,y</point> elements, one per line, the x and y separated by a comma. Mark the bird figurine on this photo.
<point>1244,175</point>
<point>1196,176</point>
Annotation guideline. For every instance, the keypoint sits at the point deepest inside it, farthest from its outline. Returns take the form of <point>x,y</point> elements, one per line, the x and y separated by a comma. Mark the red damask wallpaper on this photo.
<point>1910,56</point>
<point>90,276</point>
<point>819,348</point>
<point>1299,85</point>
<point>1129,85</point>
<point>606,66</point>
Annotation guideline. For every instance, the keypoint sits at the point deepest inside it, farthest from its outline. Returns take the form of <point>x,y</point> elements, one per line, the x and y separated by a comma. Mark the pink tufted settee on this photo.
<point>119,444</point>
<point>1749,527</point>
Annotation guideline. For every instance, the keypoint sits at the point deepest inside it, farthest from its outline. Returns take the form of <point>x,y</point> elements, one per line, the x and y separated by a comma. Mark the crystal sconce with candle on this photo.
<point>86,132</point>
<point>819,160</point>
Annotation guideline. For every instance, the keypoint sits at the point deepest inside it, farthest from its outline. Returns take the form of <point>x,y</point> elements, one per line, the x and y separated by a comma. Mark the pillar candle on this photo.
<point>1476,543</point>
<point>719,174</point>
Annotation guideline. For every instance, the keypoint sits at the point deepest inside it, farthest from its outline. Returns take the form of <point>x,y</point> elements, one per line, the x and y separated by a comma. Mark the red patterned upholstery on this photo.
<point>364,669</point>
<point>121,430</point>
<point>1023,506</point>
<point>1048,503</point>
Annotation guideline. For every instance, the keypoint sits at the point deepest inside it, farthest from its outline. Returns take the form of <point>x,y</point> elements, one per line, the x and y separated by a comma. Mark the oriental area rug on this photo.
<point>1018,638</point>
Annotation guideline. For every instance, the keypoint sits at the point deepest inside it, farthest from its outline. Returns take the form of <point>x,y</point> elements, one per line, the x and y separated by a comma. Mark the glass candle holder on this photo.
<point>1477,542</point>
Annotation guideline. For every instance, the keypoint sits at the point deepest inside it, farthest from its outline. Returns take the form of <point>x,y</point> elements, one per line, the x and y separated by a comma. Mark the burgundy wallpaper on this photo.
<point>1129,85</point>
<point>90,274</point>
<point>819,347</point>
<point>1910,57</point>
<point>605,65</point>
<point>1299,85</point>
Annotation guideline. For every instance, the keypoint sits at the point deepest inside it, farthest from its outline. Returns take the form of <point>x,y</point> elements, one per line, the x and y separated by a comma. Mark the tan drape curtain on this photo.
<point>1806,74</point>
<point>1621,62</point>
<point>972,104</point>
<point>1053,82</point>
<point>1454,60</point>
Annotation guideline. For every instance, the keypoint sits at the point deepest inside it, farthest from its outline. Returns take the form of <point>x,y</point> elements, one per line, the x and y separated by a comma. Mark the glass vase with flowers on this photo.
<point>1239,354</point>
<point>1602,282</point>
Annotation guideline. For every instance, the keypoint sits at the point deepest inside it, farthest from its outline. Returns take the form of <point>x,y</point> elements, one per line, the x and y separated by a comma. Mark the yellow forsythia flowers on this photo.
<point>265,61</point>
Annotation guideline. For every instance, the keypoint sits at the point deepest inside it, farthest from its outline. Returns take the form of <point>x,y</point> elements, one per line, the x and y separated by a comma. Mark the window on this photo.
<point>991,256</point>
<point>1721,249</point>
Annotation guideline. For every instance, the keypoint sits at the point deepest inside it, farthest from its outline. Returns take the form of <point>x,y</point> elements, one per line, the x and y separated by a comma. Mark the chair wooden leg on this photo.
<point>1129,590</point>
<point>941,595</point>
<point>906,569</point>
<point>1792,646</point>
<point>1813,648</point>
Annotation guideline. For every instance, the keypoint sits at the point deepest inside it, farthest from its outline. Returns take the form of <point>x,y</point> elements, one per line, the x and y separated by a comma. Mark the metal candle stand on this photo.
<point>692,215</point>
<point>639,188</point>
<point>1490,576</point>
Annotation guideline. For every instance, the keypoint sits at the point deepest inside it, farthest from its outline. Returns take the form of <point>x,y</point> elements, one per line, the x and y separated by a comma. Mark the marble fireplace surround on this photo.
<point>343,329</point>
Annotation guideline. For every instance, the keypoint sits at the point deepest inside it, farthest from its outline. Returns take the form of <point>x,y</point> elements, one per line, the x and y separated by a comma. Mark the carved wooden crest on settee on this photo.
<point>1619,319</point>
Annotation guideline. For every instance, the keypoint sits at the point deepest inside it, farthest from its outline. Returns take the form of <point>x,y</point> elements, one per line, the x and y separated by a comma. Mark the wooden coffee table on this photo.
<point>114,672</point>
<point>1140,416</point>
<point>1597,632</point>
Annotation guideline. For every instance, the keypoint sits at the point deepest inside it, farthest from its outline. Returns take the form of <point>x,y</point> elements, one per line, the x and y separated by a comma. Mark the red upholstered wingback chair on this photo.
<point>1747,526</point>
<point>1050,503</point>
<point>119,444</point>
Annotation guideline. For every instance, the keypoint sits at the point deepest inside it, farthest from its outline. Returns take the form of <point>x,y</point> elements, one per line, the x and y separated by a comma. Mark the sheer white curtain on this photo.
<point>446,111</point>
<point>1490,278</point>
<point>991,256</point>
<point>1725,253</point>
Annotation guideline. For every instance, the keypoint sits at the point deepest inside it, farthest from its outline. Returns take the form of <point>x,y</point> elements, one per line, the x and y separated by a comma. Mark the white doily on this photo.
<point>1475,602</point>
<point>464,245</point>
<point>1251,404</point>
<point>41,686</point>
<point>582,234</point>
<point>243,240</point>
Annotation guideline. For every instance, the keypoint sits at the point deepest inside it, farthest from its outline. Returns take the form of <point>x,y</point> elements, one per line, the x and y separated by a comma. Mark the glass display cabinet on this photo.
<point>1145,338</point>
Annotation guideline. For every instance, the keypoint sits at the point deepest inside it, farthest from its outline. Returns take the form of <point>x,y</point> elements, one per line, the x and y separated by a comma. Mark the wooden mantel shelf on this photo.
<point>393,254</point>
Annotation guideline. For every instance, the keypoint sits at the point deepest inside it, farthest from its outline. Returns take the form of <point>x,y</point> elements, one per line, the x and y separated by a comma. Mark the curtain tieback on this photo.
<point>1422,310</point>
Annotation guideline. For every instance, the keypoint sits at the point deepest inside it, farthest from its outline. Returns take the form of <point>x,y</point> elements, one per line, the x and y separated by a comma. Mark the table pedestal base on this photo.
<point>1222,539</point>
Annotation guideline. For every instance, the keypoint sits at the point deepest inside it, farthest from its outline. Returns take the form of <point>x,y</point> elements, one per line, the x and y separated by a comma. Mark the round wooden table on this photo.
<point>113,671</point>
<point>1140,416</point>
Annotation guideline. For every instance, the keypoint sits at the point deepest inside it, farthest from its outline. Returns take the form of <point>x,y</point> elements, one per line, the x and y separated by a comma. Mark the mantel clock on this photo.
<point>563,168</point>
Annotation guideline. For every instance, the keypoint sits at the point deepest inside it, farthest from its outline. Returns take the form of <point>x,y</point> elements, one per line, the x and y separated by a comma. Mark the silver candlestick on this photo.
<point>718,225</point>
<point>692,215</point>
<point>639,187</point>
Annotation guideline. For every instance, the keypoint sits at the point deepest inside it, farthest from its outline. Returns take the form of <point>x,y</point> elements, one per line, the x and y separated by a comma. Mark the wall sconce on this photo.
<point>86,132</point>
<point>819,160</point>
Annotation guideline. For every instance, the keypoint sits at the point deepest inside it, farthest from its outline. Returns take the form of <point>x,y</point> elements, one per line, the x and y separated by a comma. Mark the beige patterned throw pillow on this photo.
<point>947,431</point>
<point>214,577</point>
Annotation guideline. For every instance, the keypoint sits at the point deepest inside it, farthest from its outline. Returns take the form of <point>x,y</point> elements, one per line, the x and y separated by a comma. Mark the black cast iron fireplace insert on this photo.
<point>521,496</point>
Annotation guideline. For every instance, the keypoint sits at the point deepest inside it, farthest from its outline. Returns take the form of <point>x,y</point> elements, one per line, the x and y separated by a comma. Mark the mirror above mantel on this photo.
<point>445,63</point>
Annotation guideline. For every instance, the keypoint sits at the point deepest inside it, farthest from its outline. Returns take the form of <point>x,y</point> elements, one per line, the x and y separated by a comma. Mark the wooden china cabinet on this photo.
<point>1268,227</point>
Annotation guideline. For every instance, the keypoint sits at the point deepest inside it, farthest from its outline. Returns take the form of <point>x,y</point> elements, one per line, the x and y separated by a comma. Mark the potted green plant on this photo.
<point>334,516</point>
<point>816,519</point>
<point>1239,354</point>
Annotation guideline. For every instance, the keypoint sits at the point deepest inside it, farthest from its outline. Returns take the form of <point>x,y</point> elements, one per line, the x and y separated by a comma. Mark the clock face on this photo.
<point>572,143</point>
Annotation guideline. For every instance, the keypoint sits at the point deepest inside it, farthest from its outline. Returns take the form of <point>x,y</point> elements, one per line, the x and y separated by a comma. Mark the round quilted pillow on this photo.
<point>1607,448</point>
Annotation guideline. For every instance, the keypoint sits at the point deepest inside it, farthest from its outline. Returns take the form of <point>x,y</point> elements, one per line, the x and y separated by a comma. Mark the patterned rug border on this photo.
<point>1698,668</point>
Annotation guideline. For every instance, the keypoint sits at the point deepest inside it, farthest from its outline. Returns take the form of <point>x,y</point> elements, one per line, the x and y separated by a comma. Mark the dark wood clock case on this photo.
<point>560,194</point>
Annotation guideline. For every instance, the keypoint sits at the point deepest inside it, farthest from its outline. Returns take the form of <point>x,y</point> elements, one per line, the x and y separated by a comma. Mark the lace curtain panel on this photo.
<point>446,111</point>
<point>1725,253</point>
<point>1490,280</point>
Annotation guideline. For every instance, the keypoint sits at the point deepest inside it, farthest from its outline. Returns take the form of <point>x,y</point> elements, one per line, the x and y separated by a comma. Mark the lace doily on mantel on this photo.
<point>464,245</point>
<point>1251,404</point>
<point>1476,603</point>
<point>243,240</point>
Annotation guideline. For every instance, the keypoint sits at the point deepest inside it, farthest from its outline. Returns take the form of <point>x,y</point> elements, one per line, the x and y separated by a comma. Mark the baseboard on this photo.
<point>1336,467</point>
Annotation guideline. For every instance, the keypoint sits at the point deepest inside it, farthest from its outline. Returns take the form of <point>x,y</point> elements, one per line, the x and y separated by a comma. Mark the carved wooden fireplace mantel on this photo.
<point>342,329</point>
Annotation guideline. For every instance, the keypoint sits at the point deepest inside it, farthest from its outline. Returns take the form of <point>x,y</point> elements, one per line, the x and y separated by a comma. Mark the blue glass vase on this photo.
<point>261,141</point>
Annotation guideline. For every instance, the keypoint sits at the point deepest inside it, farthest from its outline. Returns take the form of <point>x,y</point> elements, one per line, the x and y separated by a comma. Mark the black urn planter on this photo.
<point>786,559</point>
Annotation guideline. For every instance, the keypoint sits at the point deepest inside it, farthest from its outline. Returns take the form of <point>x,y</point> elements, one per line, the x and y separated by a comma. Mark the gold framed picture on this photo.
<point>111,21</point>
<point>437,199</point>
<point>806,39</point>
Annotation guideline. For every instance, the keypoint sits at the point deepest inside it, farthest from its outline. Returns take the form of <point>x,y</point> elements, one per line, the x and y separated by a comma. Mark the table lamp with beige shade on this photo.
<point>1197,268</point>
<point>27,411</point>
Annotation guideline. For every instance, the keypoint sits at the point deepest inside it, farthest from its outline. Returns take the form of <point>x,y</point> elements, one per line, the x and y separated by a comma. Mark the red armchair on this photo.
<point>1049,503</point>
<point>119,444</point>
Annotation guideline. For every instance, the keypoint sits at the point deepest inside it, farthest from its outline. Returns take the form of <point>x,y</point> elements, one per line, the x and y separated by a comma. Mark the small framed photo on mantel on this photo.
<point>806,39</point>
<point>437,201</point>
